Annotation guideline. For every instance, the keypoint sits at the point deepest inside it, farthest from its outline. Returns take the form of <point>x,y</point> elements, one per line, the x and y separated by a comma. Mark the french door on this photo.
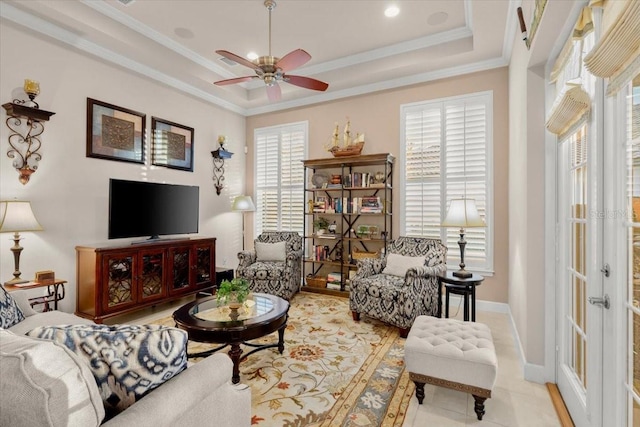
<point>598,268</point>
<point>579,327</point>
<point>625,324</point>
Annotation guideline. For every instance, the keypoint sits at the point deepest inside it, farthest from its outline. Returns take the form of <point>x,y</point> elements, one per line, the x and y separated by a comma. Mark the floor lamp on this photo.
<point>15,217</point>
<point>243,204</point>
<point>464,214</point>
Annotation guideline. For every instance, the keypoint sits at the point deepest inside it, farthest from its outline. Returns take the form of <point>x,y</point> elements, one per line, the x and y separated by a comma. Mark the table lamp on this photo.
<point>243,204</point>
<point>464,214</point>
<point>15,217</point>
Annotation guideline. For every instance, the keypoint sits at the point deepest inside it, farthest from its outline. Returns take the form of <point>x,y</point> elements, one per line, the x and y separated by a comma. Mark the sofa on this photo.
<point>43,383</point>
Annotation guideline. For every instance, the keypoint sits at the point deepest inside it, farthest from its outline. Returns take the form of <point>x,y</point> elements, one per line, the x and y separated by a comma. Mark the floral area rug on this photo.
<point>334,371</point>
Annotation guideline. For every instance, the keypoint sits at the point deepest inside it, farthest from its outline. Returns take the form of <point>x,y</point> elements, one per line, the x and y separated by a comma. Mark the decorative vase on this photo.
<point>233,310</point>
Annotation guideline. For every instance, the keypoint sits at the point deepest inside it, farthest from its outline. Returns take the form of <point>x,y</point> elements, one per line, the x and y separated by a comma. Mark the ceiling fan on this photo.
<point>272,69</point>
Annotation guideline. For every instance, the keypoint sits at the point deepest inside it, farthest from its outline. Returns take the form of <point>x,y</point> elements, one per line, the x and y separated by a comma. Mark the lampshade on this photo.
<point>243,204</point>
<point>464,214</point>
<point>17,216</point>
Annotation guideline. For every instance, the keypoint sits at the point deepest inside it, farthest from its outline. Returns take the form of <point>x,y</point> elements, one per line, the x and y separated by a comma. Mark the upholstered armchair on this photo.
<point>401,286</point>
<point>274,266</point>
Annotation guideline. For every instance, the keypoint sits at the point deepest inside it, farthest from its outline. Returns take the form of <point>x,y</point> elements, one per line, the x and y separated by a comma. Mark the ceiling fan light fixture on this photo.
<point>252,56</point>
<point>272,69</point>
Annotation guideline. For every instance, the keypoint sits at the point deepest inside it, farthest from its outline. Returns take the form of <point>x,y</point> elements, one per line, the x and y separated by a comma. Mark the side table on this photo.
<point>464,287</point>
<point>55,292</point>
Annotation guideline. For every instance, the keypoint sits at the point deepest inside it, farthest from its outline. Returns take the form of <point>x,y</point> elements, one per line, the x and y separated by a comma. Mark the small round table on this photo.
<point>466,287</point>
<point>207,321</point>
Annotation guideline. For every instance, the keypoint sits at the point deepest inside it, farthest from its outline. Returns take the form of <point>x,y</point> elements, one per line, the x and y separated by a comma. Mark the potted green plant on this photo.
<point>320,225</point>
<point>233,292</point>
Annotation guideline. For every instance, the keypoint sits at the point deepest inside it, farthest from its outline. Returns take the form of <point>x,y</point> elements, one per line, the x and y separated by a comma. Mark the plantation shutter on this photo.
<point>446,149</point>
<point>279,177</point>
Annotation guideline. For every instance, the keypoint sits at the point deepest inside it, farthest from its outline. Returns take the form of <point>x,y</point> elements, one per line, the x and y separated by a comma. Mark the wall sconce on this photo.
<point>219,156</point>
<point>24,138</point>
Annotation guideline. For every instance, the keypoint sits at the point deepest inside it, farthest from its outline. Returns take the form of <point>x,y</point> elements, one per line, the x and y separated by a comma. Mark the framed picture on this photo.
<point>172,145</point>
<point>114,133</point>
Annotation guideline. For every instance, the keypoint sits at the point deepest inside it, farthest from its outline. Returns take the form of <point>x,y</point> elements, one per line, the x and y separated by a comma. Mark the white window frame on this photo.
<point>453,254</point>
<point>278,131</point>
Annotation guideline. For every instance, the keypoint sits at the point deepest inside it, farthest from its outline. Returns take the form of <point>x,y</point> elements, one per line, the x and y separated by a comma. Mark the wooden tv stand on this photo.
<point>118,279</point>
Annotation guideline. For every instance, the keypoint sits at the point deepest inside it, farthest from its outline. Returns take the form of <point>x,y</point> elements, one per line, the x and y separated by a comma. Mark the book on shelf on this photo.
<point>334,277</point>
<point>336,286</point>
<point>320,253</point>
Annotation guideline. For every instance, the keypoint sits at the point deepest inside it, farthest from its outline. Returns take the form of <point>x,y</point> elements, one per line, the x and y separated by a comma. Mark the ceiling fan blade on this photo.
<point>274,92</point>
<point>234,81</point>
<point>239,59</point>
<point>306,82</point>
<point>294,59</point>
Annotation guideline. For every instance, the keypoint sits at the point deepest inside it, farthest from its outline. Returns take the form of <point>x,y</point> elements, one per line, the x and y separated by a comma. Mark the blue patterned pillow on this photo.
<point>10,313</point>
<point>127,361</point>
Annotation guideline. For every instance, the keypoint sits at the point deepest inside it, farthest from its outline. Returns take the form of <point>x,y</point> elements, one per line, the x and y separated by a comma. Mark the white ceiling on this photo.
<point>354,46</point>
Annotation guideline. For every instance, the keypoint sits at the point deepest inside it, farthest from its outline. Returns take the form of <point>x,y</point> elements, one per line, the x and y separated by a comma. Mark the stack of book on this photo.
<point>334,281</point>
<point>370,205</point>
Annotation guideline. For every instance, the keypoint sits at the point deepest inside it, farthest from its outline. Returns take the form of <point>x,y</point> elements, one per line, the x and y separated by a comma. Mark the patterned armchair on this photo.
<point>396,299</point>
<point>280,278</point>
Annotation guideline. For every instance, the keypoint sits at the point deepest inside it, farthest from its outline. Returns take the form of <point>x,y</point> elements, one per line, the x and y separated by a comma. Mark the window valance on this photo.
<point>619,46</point>
<point>570,106</point>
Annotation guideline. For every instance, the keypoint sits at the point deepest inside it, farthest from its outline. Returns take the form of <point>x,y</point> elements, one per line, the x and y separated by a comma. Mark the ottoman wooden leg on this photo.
<point>355,315</point>
<point>479,406</point>
<point>403,332</point>
<point>419,391</point>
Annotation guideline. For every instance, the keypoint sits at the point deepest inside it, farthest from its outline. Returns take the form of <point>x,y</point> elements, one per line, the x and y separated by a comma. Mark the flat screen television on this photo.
<point>139,209</point>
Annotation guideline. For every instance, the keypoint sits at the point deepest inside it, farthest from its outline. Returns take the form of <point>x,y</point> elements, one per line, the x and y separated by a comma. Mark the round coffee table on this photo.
<point>207,321</point>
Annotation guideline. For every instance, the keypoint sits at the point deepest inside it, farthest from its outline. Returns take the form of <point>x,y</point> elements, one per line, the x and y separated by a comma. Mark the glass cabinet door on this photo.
<point>179,268</point>
<point>204,265</point>
<point>151,276</point>
<point>118,274</point>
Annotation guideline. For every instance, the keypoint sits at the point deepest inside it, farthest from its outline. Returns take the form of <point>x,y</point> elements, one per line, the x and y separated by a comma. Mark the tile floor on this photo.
<point>515,402</point>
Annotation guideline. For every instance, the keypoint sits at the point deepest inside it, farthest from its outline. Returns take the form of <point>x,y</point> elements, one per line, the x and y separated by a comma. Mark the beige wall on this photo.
<point>69,192</point>
<point>378,116</point>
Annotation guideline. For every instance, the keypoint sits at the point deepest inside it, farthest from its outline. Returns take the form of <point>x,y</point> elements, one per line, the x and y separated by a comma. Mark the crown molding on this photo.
<point>148,32</point>
<point>34,23</point>
<point>376,87</point>
<point>380,53</point>
<point>510,29</point>
<point>39,25</point>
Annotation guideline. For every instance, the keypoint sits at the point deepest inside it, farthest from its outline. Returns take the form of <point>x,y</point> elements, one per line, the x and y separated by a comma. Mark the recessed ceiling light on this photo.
<point>252,56</point>
<point>184,33</point>
<point>437,18</point>
<point>391,11</point>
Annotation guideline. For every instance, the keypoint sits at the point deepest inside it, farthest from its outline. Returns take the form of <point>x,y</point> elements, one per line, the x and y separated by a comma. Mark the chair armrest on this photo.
<point>293,257</point>
<point>423,285</point>
<point>246,258</point>
<point>368,267</point>
<point>435,271</point>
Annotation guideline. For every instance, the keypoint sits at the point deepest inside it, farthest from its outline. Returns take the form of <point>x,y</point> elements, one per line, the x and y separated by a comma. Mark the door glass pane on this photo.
<point>576,321</point>
<point>632,143</point>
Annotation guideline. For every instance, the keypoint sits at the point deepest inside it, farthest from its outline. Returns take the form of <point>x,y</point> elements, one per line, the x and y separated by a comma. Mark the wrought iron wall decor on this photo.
<point>25,125</point>
<point>219,157</point>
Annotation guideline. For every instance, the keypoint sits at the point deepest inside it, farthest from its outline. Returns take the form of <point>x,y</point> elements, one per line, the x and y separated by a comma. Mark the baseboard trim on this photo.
<point>558,404</point>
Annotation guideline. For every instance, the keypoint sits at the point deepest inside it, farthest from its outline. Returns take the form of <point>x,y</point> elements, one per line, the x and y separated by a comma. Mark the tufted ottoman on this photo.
<point>453,354</point>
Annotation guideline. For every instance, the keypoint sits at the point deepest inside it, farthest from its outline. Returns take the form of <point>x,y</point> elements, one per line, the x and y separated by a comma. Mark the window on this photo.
<point>446,154</point>
<point>280,177</point>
